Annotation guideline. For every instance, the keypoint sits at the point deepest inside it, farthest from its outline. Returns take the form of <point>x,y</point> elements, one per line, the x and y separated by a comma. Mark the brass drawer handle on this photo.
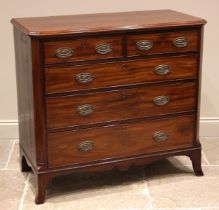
<point>84,78</point>
<point>64,52</point>
<point>162,70</point>
<point>161,100</point>
<point>85,109</point>
<point>144,45</point>
<point>180,42</point>
<point>160,136</point>
<point>104,49</point>
<point>85,146</point>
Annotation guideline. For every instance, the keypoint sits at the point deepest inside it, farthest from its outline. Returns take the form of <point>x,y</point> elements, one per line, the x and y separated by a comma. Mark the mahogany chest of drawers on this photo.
<point>104,91</point>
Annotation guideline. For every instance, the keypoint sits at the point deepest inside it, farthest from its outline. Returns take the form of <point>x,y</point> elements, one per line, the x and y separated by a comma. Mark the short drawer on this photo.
<point>103,75</point>
<point>70,111</point>
<point>159,43</point>
<point>82,49</point>
<point>86,145</point>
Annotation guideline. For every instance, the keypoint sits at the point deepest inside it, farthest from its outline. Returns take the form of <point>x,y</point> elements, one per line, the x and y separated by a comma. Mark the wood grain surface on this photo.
<point>119,104</point>
<point>119,141</point>
<point>84,49</point>
<point>63,79</point>
<point>162,42</point>
<point>123,120</point>
<point>86,23</point>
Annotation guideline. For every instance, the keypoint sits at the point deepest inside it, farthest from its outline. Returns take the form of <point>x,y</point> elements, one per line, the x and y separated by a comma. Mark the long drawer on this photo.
<point>120,104</point>
<point>87,77</point>
<point>80,146</point>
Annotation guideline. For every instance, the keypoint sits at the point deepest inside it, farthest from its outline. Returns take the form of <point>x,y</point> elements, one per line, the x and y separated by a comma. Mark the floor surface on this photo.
<point>167,184</point>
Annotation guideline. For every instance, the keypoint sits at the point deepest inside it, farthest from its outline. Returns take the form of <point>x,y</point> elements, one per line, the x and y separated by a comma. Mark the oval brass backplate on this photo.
<point>85,146</point>
<point>161,100</point>
<point>162,70</point>
<point>64,52</point>
<point>84,77</point>
<point>144,45</point>
<point>85,109</point>
<point>160,136</point>
<point>180,42</point>
<point>104,48</point>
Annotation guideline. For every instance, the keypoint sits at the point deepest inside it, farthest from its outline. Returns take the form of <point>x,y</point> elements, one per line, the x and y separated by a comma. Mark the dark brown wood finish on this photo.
<point>119,105</point>
<point>103,22</point>
<point>39,104</point>
<point>83,49</point>
<point>119,141</point>
<point>25,96</point>
<point>119,85</point>
<point>64,79</point>
<point>198,87</point>
<point>162,42</point>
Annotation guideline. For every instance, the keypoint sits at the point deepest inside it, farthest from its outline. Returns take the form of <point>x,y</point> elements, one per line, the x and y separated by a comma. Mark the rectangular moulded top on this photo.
<point>103,22</point>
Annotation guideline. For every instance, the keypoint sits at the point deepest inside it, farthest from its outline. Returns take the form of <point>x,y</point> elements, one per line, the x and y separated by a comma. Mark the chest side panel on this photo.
<point>25,95</point>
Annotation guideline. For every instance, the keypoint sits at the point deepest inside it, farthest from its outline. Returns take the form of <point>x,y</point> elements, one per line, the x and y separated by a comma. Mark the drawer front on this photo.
<point>80,146</point>
<point>82,49</point>
<point>86,77</point>
<point>119,105</point>
<point>158,43</point>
